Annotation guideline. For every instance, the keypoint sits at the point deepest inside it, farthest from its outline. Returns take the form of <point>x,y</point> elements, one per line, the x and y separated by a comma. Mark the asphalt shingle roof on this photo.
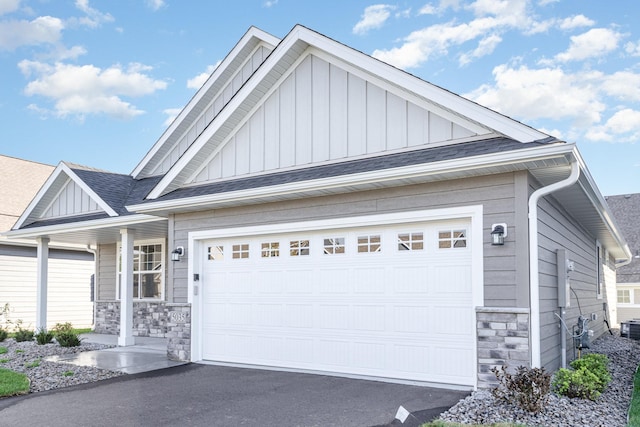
<point>626,210</point>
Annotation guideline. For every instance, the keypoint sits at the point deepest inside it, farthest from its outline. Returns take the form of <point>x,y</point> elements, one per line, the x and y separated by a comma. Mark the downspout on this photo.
<point>95,282</point>
<point>534,282</point>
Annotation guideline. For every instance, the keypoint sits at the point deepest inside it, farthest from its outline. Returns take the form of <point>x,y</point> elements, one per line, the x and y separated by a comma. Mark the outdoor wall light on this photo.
<point>498,233</point>
<point>177,253</point>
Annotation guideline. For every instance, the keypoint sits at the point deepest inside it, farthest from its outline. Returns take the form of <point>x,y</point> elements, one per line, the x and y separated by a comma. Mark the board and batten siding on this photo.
<point>495,193</point>
<point>558,230</point>
<point>321,112</point>
<point>72,200</point>
<point>68,290</point>
<point>215,106</point>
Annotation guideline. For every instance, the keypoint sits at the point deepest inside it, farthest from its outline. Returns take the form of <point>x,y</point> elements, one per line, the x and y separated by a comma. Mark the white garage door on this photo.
<point>387,301</point>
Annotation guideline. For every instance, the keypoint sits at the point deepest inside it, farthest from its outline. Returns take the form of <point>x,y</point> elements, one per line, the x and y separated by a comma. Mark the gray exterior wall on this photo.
<point>557,230</point>
<point>106,269</point>
<point>505,277</point>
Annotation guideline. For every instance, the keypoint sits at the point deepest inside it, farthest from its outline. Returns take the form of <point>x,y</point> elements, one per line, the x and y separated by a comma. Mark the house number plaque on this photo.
<point>178,316</point>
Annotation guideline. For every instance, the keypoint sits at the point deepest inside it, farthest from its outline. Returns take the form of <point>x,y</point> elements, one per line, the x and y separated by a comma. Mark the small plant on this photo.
<point>527,388</point>
<point>4,360</point>
<point>587,379</point>
<point>3,334</point>
<point>33,364</point>
<point>44,337</point>
<point>597,364</point>
<point>67,373</point>
<point>22,334</point>
<point>19,351</point>
<point>3,350</point>
<point>66,335</point>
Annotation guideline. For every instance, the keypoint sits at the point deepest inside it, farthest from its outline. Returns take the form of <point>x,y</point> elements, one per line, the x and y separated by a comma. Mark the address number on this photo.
<point>178,316</point>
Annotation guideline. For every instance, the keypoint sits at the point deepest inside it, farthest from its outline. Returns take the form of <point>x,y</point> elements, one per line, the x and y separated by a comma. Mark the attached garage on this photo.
<point>389,296</point>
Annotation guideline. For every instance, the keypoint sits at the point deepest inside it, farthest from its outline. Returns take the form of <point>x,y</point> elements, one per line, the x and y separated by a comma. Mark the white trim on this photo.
<point>350,180</point>
<point>600,260</point>
<point>474,213</point>
<point>163,244</point>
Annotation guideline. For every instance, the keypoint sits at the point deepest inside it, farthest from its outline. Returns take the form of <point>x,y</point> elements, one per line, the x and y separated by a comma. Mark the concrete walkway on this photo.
<point>148,354</point>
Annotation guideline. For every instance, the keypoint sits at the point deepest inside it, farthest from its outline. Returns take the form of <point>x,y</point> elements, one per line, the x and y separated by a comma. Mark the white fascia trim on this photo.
<point>253,32</point>
<point>89,191</point>
<point>477,162</point>
<point>83,226</point>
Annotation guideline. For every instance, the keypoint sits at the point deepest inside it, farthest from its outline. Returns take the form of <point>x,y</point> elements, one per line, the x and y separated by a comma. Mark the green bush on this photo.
<point>65,335</point>
<point>597,365</point>
<point>23,335</point>
<point>3,334</point>
<point>527,388</point>
<point>44,337</point>
<point>576,383</point>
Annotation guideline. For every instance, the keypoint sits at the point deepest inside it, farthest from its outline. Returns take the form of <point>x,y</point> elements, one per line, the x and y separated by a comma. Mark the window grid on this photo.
<point>215,253</point>
<point>334,246</point>
<point>624,296</point>
<point>411,241</point>
<point>148,271</point>
<point>371,243</point>
<point>270,250</point>
<point>240,251</point>
<point>448,239</point>
<point>299,247</point>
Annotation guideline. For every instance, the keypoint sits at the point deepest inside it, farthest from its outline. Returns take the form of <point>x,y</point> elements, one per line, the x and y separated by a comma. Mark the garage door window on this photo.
<point>370,243</point>
<point>270,250</point>
<point>299,247</point>
<point>410,241</point>
<point>334,246</point>
<point>240,251</point>
<point>215,253</point>
<point>449,239</point>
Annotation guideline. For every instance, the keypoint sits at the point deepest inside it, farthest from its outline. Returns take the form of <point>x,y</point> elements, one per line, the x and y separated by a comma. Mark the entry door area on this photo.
<point>392,301</point>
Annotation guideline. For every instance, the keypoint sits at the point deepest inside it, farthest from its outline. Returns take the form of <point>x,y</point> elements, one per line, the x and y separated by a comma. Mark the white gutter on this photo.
<point>534,283</point>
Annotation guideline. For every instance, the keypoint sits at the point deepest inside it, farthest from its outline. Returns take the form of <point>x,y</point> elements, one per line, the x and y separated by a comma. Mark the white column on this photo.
<point>42,280</point>
<point>126,289</point>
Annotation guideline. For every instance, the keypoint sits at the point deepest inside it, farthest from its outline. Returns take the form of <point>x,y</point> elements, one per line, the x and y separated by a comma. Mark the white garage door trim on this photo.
<point>196,250</point>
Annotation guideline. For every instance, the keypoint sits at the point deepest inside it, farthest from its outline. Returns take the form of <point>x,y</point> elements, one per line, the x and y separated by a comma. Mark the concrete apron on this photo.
<point>148,354</point>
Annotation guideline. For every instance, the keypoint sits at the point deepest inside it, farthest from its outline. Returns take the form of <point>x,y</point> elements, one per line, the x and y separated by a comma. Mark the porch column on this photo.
<point>42,279</point>
<point>126,289</point>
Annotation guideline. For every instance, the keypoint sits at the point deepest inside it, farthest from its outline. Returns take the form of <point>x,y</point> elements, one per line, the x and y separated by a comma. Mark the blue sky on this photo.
<point>96,82</point>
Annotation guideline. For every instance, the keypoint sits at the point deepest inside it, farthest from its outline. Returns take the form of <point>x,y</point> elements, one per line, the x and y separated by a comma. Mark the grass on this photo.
<point>3,350</point>
<point>634,408</point>
<point>33,364</point>
<point>13,383</point>
<point>67,373</point>
<point>19,351</point>
<point>4,360</point>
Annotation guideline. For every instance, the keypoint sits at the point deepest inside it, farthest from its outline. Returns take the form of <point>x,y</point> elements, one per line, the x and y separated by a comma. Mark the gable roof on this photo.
<point>290,50</point>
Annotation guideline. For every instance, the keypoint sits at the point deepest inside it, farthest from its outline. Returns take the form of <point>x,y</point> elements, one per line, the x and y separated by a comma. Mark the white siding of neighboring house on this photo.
<point>69,291</point>
<point>631,310</point>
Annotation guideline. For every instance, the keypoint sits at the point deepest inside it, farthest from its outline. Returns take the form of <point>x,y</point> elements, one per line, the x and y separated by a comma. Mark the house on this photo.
<point>312,208</point>
<point>69,267</point>
<point>626,210</point>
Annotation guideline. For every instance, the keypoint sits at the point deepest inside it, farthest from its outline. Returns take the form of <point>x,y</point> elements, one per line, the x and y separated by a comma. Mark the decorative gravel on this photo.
<point>24,356</point>
<point>609,410</point>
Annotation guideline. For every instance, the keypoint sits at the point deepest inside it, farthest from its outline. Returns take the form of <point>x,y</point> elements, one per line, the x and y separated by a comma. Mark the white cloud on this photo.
<point>79,90</point>
<point>155,4</point>
<point>623,85</point>
<point>546,2</point>
<point>94,18</point>
<point>197,81</point>
<point>575,21</point>
<point>8,6</point>
<point>42,30</point>
<point>428,9</point>
<point>632,48</point>
<point>546,93</point>
<point>270,3</point>
<point>623,126</point>
<point>486,46</point>
<point>595,43</point>
<point>374,17</point>
<point>171,113</point>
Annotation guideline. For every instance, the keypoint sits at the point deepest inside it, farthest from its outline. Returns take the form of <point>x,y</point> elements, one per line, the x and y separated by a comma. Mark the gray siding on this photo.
<point>106,280</point>
<point>496,193</point>
<point>557,230</point>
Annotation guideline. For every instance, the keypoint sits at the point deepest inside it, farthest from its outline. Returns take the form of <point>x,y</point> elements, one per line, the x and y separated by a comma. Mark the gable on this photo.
<point>71,200</point>
<point>324,110</point>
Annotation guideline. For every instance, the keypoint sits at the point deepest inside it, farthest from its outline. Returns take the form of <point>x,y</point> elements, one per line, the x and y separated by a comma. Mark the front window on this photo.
<point>148,270</point>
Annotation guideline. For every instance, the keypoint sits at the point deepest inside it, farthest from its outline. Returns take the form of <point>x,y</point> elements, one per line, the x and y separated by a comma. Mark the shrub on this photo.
<point>3,334</point>
<point>23,334</point>
<point>65,335</point>
<point>44,337</point>
<point>576,383</point>
<point>3,350</point>
<point>597,365</point>
<point>527,388</point>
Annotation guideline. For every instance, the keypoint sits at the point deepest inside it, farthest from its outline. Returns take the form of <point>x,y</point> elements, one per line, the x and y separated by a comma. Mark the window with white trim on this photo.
<point>298,247</point>
<point>270,250</point>
<point>449,239</point>
<point>215,253</point>
<point>371,243</point>
<point>148,270</point>
<point>624,296</point>
<point>334,245</point>
<point>240,251</point>
<point>410,241</point>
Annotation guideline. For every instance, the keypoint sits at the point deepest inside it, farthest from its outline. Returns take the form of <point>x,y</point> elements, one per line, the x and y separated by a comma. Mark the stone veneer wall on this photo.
<point>151,319</point>
<point>503,339</point>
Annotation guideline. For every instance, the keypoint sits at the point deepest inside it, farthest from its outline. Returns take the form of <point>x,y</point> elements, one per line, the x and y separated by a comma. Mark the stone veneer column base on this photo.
<point>151,319</point>
<point>503,340</point>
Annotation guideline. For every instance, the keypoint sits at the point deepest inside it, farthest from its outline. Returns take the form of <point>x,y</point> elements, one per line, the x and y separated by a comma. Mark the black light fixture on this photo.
<point>637,255</point>
<point>177,253</point>
<point>498,233</point>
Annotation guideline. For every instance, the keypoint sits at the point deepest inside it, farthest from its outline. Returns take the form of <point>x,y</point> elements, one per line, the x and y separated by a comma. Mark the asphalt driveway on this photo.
<point>203,395</point>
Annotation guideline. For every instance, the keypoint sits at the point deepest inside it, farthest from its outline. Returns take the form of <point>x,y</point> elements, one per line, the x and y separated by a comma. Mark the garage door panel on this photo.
<point>352,306</point>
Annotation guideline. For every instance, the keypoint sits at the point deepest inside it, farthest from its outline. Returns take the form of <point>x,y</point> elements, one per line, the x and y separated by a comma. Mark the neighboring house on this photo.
<point>626,210</point>
<point>315,209</point>
<point>69,268</point>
